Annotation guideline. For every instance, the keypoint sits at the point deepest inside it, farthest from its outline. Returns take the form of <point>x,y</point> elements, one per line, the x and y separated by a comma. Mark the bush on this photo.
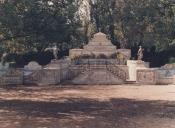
<point>171,60</point>
<point>102,56</point>
<point>113,56</point>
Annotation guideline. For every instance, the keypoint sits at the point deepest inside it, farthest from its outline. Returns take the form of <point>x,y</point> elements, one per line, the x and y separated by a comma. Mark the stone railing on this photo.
<point>98,61</point>
<point>114,69</point>
<point>45,76</point>
<point>32,77</point>
<point>118,72</point>
<point>11,77</point>
<point>75,70</point>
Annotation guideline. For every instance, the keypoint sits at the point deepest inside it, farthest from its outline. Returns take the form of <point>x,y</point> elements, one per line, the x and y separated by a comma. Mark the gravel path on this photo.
<point>125,106</point>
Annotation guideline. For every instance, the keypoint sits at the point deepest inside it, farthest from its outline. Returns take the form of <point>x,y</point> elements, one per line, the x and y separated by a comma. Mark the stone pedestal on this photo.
<point>133,66</point>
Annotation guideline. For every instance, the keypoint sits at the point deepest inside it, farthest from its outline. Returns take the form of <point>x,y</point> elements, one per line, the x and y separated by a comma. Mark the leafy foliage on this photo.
<point>28,26</point>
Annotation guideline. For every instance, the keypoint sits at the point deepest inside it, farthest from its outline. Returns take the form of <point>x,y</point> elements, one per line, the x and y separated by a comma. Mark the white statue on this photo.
<point>140,53</point>
<point>3,57</point>
<point>54,50</point>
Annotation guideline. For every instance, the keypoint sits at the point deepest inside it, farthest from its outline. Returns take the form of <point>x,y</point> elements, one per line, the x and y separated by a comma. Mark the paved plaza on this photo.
<point>125,106</point>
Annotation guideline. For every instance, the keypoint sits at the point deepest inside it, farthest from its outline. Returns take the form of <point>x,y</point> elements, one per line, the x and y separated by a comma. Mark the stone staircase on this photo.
<point>117,72</point>
<point>78,75</point>
<point>98,75</point>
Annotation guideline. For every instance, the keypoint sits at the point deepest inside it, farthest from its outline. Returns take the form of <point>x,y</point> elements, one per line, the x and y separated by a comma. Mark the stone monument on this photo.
<point>140,53</point>
<point>54,50</point>
<point>99,45</point>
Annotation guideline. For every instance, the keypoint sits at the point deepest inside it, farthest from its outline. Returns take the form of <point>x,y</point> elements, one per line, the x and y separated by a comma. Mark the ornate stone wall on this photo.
<point>12,77</point>
<point>155,76</point>
<point>165,75</point>
<point>99,61</point>
<point>147,76</point>
<point>98,74</point>
<point>47,76</point>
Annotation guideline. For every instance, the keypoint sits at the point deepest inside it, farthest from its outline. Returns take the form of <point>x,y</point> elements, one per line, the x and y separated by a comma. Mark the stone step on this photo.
<point>130,82</point>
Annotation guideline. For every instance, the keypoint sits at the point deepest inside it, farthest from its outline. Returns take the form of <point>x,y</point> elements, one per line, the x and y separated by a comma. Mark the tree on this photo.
<point>27,25</point>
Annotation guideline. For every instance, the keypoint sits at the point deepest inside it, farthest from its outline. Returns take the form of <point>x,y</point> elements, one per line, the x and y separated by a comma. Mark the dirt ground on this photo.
<point>125,106</point>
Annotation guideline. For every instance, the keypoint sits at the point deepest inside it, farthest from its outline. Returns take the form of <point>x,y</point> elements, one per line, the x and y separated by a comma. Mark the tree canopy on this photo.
<point>26,25</point>
<point>32,25</point>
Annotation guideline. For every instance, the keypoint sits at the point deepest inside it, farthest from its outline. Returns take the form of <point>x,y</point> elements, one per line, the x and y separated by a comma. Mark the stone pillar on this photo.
<point>133,65</point>
<point>174,80</point>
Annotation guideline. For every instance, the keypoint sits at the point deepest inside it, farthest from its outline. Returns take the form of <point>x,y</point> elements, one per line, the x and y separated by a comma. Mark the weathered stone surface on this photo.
<point>98,61</point>
<point>33,66</point>
<point>165,80</point>
<point>98,45</point>
<point>12,77</point>
<point>58,64</point>
<point>147,76</point>
<point>54,73</point>
<point>155,76</point>
<point>133,66</point>
<point>43,77</point>
<point>168,66</point>
<point>125,52</point>
<point>165,75</point>
<point>97,75</point>
<point>75,53</point>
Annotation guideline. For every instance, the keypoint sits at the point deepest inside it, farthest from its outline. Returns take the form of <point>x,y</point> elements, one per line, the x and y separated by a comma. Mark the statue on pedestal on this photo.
<point>140,53</point>
<point>3,58</point>
<point>54,50</point>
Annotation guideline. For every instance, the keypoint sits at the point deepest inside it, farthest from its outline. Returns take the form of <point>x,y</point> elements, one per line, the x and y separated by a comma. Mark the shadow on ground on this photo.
<point>87,113</point>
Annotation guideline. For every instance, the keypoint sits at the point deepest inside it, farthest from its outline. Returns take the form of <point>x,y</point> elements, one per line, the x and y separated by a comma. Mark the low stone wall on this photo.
<point>165,80</point>
<point>147,76</point>
<point>155,76</point>
<point>42,77</point>
<point>11,77</point>
<point>46,76</point>
<point>165,76</point>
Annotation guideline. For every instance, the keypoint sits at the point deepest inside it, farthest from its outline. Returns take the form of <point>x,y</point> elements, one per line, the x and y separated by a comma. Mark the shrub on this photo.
<point>171,60</point>
<point>113,56</point>
<point>102,56</point>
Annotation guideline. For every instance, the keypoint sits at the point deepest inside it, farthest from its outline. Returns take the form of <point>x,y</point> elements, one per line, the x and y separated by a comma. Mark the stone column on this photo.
<point>133,66</point>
